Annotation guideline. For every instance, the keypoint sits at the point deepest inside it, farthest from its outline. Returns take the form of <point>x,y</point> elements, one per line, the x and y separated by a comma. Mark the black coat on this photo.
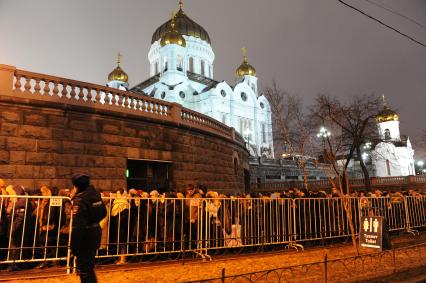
<point>88,209</point>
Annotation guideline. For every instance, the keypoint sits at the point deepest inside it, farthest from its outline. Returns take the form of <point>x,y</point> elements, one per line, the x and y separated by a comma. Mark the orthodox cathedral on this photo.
<point>181,62</point>
<point>393,155</point>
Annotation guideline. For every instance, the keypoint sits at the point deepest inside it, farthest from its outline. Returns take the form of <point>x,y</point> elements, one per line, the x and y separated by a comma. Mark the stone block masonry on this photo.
<point>44,144</point>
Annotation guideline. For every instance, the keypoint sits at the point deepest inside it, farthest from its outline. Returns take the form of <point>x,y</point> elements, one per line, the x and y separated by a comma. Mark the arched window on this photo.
<point>223,93</point>
<point>179,63</point>
<point>165,64</point>
<point>387,134</point>
<point>191,64</point>
<point>202,67</point>
<point>388,169</point>
<point>244,96</point>
<point>156,68</point>
<point>182,94</point>
<point>163,95</point>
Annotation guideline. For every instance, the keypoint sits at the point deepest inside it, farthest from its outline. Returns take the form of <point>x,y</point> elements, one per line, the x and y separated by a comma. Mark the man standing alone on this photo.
<point>88,209</point>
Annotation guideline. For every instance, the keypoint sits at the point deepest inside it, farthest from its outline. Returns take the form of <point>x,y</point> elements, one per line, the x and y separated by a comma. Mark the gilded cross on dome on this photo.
<point>118,58</point>
<point>385,104</point>
<point>244,54</point>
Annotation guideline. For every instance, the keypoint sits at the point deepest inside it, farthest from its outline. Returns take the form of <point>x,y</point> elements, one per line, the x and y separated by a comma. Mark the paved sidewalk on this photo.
<point>238,264</point>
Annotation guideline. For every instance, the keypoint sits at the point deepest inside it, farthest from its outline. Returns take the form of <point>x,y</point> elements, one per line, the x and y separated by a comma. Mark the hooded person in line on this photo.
<point>88,210</point>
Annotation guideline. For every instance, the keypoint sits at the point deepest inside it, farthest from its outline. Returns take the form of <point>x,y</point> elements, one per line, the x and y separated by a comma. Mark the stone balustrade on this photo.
<point>41,87</point>
<point>376,182</point>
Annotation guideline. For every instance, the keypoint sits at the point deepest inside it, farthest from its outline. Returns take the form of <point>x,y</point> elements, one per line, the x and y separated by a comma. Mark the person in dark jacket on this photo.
<point>88,209</point>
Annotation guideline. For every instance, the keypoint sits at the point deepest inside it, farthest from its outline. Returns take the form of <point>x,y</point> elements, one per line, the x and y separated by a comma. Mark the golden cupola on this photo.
<point>245,69</point>
<point>172,36</point>
<point>386,114</point>
<point>183,25</point>
<point>118,74</point>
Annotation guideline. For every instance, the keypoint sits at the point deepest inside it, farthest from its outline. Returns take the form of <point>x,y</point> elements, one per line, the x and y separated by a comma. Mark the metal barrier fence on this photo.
<point>38,229</point>
<point>35,229</point>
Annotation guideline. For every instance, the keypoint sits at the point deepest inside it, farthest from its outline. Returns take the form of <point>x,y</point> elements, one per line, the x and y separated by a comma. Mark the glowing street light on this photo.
<point>323,133</point>
<point>364,156</point>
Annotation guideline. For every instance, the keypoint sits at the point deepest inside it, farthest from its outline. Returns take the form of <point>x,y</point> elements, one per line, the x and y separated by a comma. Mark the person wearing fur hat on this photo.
<point>88,210</point>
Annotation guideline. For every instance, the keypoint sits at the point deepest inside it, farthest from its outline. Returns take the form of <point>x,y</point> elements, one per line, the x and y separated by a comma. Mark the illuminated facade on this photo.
<point>181,63</point>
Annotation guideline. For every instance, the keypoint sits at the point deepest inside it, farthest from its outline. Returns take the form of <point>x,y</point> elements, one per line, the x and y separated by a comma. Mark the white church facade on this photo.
<point>393,155</point>
<point>181,63</point>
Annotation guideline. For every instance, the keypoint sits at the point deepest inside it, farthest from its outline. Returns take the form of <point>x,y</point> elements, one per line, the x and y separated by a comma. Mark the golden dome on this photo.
<point>245,69</point>
<point>387,115</point>
<point>184,25</point>
<point>172,36</point>
<point>118,74</point>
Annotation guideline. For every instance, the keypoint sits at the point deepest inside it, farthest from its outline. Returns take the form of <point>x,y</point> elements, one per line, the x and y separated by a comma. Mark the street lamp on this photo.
<point>364,156</point>
<point>323,133</point>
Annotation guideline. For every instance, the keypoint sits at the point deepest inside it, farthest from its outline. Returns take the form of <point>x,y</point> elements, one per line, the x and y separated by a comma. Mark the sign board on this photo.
<point>55,202</point>
<point>371,232</point>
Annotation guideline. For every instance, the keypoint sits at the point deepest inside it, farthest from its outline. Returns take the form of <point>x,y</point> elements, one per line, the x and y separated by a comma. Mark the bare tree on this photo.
<point>356,124</point>
<point>292,129</point>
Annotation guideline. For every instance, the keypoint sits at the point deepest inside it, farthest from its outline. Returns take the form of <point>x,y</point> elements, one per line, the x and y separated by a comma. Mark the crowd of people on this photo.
<point>138,222</point>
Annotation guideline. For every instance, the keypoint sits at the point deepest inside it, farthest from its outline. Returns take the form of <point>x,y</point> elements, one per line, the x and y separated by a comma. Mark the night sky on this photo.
<point>308,46</point>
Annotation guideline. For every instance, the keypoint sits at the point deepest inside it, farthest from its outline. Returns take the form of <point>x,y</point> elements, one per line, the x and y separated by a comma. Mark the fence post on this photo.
<point>325,268</point>
<point>6,79</point>
<point>184,248</point>
<point>69,246</point>
<point>223,275</point>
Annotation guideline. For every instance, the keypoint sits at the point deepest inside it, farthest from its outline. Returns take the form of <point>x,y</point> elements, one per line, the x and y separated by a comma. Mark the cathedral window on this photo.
<point>202,67</point>
<point>163,95</point>
<point>223,93</point>
<point>191,64</point>
<point>387,134</point>
<point>262,105</point>
<point>388,167</point>
<point>179,63</point>
<point>182,94</point>
<point>244,96</point>
<point>263,133</point>
<point>165,64</point>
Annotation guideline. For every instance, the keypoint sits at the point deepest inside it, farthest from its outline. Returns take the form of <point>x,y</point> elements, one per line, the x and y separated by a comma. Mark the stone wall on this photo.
<point>45,143</point>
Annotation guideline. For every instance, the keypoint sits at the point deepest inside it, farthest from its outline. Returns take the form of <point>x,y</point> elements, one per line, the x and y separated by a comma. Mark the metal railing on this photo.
<point>35,229</point>
<point>347,269</point>
<point>38,229</point>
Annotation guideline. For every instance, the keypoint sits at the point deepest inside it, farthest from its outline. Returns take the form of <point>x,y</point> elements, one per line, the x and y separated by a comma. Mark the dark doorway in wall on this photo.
<point>148,175</point>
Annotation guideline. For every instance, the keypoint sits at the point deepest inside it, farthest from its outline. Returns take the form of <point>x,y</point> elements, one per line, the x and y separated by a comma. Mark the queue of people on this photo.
<point>139,222</point>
